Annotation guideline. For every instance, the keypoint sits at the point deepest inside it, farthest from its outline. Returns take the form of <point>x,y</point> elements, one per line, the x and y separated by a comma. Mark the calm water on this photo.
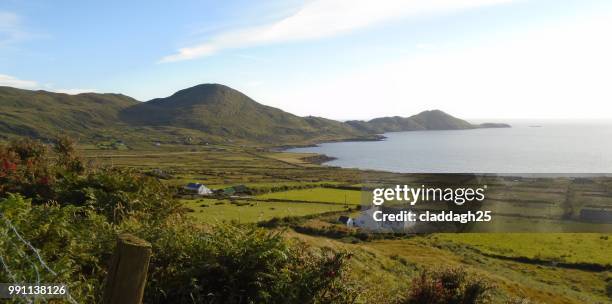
<point>555,147</point>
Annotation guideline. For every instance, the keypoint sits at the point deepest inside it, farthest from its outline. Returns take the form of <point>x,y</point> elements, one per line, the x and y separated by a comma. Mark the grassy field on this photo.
<point>337,196</point>
<point>211,210</point>
<point>539,283</point>
<point>561,247</point>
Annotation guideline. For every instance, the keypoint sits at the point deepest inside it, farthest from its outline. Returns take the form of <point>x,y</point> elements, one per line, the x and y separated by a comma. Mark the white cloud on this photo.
<point>324,18</point>
<point>74,91</point>
<point>11,81</point>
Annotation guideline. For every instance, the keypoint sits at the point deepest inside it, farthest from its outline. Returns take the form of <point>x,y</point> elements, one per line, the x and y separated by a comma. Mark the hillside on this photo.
<point>427,120</point>
<point>203,113</point>
<point>43,114</point>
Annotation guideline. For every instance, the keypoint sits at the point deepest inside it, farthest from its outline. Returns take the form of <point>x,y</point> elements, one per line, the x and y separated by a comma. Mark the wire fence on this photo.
<point>28,258</point>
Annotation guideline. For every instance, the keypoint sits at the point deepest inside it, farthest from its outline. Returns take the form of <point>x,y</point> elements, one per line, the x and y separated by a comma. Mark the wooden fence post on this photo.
<point>127,275</point>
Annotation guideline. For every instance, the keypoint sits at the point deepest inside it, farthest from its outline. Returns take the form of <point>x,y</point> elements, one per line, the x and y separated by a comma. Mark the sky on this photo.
<point>340,59</point>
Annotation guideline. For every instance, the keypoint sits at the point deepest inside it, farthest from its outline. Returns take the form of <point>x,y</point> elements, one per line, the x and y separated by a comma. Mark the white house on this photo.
<point>346,220</point>
<point>197,188</point>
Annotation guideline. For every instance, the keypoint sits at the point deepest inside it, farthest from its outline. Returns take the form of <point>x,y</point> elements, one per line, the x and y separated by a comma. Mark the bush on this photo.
<point>118,194</point>
<point>450,286</point>
<point>220,264</point>
<point>244,265</point>
<point>74,242</point>
<point>27,167</point>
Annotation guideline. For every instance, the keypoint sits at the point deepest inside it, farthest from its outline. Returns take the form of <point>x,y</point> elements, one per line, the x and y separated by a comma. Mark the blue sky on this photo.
<point>333,58</point>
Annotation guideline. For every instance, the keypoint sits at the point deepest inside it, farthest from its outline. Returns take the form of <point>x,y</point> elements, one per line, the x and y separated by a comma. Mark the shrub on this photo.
<point>118,194</point>
<point>74,242</point>
<point>25,168</point>
<point>28,168</point>
<point>220,264</point>
<point>244,265</point>
<point>450,286</point>
<point>68,158</point>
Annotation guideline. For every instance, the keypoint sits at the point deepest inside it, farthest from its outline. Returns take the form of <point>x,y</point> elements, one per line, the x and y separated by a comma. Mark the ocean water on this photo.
<point>528,147</point>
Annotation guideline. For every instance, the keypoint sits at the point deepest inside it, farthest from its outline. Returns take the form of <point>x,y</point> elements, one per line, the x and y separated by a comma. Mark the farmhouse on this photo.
<point>346,220</point>
<point>197,188</point>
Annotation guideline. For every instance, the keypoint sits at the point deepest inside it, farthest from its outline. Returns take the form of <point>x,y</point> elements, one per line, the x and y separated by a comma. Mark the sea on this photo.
<point>530,146</point>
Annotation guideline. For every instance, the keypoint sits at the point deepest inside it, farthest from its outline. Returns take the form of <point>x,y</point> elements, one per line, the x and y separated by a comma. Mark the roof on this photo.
<point>194,185</point>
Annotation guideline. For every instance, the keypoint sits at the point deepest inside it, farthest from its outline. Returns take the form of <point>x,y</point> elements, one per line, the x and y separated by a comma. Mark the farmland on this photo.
<point>542,267</point>
<point>336,196</point>
<point>210,211</point>
<point>554,247</point>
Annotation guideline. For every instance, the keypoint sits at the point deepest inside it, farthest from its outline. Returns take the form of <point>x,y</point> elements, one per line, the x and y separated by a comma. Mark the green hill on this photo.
<point>427,120</point>
<point>224,112</point>
<point>43,114</point>
<point>203,113</point>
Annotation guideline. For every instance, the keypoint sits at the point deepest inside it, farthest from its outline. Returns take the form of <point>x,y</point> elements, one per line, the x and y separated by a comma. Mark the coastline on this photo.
<point>321,159</point>
<point>284,148</point>
<point>381,136</point>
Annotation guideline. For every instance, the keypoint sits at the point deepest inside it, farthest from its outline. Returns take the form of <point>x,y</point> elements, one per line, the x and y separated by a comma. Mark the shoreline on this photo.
<point>321,159</point>
<point>284,148</point>
<point>381,136</point>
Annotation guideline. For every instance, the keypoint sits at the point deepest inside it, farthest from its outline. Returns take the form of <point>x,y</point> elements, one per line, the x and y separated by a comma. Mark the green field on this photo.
<point>329,195</point>
<point>211,210</point>
<point>561,247</point>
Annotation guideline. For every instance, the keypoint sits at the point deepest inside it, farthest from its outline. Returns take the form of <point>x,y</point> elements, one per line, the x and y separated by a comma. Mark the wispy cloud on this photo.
<point>324,18</point>
<point>11,81</point>
<point>10,28</point>
<point>73,91</point>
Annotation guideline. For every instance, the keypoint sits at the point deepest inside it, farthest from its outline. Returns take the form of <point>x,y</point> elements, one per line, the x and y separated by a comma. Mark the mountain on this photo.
<point>203,113</point>
<point>227,113</point>
<point>427,120</point>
